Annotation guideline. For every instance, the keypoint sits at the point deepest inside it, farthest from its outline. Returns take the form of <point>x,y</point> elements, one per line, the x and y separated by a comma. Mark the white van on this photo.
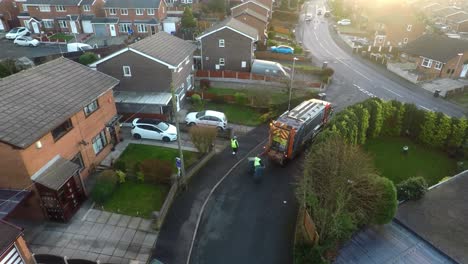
<point>71,47</point>
<point>269,68</point>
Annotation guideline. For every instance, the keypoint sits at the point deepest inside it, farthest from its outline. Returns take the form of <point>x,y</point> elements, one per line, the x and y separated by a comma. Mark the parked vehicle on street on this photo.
<point>26,41</point>
<point>327,14</point>
<point>207,118</point>
<point>269,68</point>
<point>71,47</point>
<point>153,129</point>
<point>344,22</point>
<point>17,32</point>
<point>319,12</point>
<point>308,18</point>
<point>294,129</point>
<point>282,49</point>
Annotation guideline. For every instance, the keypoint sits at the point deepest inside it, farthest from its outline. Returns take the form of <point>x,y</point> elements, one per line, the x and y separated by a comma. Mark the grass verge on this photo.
<point>61,36</point>
<point>236,114</point>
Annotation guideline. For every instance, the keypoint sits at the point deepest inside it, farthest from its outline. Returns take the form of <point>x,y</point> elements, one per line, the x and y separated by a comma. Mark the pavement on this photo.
<point>445,85</point>
<point>10,50</point>
<point>94,235</point>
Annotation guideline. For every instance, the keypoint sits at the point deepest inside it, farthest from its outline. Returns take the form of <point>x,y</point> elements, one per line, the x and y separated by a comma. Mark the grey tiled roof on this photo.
<point>234,24</point>
<point>37,100</point>
<point>436,47</point>
<point>254,14</point>
<point>461,18</point>
<point>165,47</point>
<point>87,17</point>
<point>253,1</point>
<point>105,20</point>
<point>53,2</point>
<point>86,2</point>
<point>132,3</point>
<point>56,173</point>
<point>445,11</point>
<point>152,21</point>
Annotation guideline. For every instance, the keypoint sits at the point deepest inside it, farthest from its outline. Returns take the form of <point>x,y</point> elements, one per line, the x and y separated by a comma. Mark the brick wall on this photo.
<point>253,22</point>
<point>445,72</point>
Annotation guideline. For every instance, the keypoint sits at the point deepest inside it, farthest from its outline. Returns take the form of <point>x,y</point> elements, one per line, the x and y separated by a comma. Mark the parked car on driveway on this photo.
<point>207,118</point>
<point>282,49</point>
<point>26,41</point>
<point>153,129</point>
<point>344,22</point>
<point>17,32</point>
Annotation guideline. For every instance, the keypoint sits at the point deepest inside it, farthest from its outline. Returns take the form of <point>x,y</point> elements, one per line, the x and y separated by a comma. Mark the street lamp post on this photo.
<point>74,34</point>
<point>460,55</point>
<point>179,145</point>
<point>291,83</point>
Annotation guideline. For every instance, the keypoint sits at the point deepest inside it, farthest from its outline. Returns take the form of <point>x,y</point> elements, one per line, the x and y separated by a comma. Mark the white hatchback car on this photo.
<point>153,129</point>
<point>207,118</point>
<point>344,22</point>
<point>17,32</point>
<point>26,41</point>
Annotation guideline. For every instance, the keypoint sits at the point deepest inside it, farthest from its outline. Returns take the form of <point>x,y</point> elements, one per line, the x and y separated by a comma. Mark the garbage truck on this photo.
<point>295,128</point>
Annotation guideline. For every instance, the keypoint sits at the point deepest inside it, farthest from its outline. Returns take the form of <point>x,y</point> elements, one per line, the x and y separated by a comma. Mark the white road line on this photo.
<point>392,92</point>
<point>425,108</point>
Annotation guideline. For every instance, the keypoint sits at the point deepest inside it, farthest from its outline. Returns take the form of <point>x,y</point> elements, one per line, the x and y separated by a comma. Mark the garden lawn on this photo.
<point>275,97</point>
<point>423,161</point>
<point>138,152</point>
<point>61,36</point>
<point>236,114</point>
<point>137,199</point>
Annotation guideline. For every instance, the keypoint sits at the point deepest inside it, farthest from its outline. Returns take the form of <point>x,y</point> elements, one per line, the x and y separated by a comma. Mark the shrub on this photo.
<point>140,176</point>
<point>298,50</point>
<point>156,171</point>
<point>106,183</point>
<point>120,165</point>
<point>267,117</point>
<point>241,98</point>
<point>88,58</point>
<point>203,137</point>
<point>271,34</point>
<point>271,42</point>
<point>387,203</point>
<point>121,176</point>
<point>197,102</point>
<point>205,84</point>
<point>328,71</point>
<point>305,254</point>
<point>285,16</point>
<point>412,188</point>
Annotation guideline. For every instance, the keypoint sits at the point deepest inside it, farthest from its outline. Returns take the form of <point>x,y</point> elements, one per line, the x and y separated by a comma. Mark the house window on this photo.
<point>48,23</point>
<point>189,81</point>
<point>405,40</point>
<point>112,11</point>
<point>409,27</point>
<point>221,61</point>
<point>125,27</point>
<point>100,142</point>
<point>60,8</point>
<point>25,8</point>
<point>139,11</point>
<point>150,11</point>
<point>86,8</point>
<point>142,28</point>
<point>78,160</point>
<point>63,24</point>
<point>124,11</point>
<point>44,8</point>
<point>438,65</point>
<point>189,1</point>
<point>126,71</point>
<point>61,130</point>
<point>91,108</point>
<point>426,63</point>
<point>243,64</point>
<point>221,43</point>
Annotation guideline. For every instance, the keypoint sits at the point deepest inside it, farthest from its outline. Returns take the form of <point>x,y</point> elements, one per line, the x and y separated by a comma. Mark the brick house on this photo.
<point>142,17</point>
<point>254,20</point>
<point>255,6</point>
<point>228,45</point>
<point>441,15</point>
<point>146,70</point>
<point>438,57</point>
<point>13,248</point>
<point>8,15</point>
<point>396,30</point>
<point>57,15</point>
<point>59,120</point>
<point>458,23</point>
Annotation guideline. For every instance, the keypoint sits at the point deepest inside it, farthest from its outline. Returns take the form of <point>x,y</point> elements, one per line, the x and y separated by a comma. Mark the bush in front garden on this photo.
<point>106,183</point>
<point>241,98</point>
<point>156,171</point>
<point>205,84</point>
<point>197,102</point>
<point>88,58</point>
<point>120,165</point>
<point>203,137</point>
<point>413,188</point>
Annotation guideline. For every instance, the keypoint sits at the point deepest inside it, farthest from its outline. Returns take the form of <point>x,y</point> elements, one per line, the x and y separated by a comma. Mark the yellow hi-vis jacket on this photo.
<point>257,162</point>
<point>234,143</point>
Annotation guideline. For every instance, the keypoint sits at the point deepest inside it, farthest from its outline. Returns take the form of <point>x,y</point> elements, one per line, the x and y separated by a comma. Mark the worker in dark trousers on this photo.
<point>258,169</point>
<point>234,145</point>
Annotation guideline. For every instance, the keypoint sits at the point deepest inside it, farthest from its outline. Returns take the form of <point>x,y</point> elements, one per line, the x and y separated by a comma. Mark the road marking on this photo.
<point>425,108</point>
<point>364,91</point>
<point>392,92</point>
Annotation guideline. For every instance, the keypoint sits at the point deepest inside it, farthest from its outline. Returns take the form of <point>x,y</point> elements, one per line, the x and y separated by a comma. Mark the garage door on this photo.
<point>87,26</point>
<point>12,257</point>
<point>100,30</point>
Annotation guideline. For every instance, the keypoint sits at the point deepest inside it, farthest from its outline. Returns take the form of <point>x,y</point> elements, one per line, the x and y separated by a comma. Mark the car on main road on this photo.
<point>153,129</point>
<point>327,14</point>
<point>17,32</point>
<point>319,12</point>
<point>282,49</point>
<point>26,41</point>
<point>207,118</point>
<point>308,18</point>
<point>344,22</point>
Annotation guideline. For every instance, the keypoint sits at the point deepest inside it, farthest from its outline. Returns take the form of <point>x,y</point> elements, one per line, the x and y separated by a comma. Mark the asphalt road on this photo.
<point>10,50</point>
<point>356,80</point>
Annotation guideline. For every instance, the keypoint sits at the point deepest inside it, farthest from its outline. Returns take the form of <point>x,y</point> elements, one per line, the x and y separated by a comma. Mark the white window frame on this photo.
<point>127,71</point>
<point>100,142</point>
<point>142,28</point>
<point>405,40</point>
<point>44,8</point>
<point>428,64</point>
<point>243,64</point>
<point>222,62</point>
<point>86,8</point>
<point>189,81</point>
<point>139,11</point>
<point>189,1</point>
<point>221,43</point>
<point>124,11</point>
<point>25,8</point>
<point>62,24</point>
<point>60,8</point>
<point>48,23</point>
<point>150,11</point>
<point>124,27</point>
<point>112,11</point>
<point>409,27</point>
<point>438,65</point>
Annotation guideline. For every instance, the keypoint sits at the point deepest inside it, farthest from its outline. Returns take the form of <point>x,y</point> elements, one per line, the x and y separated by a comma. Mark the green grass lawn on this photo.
<point>276,97</point>
<point>237,114</point>
<point>137,199</point>
<point>61,36</point>
<point>429,163</point>
<point>139,152</point>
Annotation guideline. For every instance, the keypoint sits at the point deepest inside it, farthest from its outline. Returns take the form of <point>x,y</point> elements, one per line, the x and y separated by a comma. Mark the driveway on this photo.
<point>10,50</point>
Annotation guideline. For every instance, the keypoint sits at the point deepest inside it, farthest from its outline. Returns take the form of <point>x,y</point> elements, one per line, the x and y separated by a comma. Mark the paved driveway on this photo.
<point>95,235</point>
<point>9,50</point>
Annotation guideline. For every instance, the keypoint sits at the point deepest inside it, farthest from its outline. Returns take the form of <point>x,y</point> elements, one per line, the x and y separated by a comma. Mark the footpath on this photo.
<point>175,237</point>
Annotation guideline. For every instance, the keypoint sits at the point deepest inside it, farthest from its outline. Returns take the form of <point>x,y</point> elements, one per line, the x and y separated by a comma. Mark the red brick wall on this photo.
<point>10,13</point>
<point>445,72</point>
<point>159,13</point>
<point>253,22</point>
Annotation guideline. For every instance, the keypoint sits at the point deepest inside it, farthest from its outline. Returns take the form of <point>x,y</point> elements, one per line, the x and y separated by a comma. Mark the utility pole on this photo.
<point>291,83</point>
<point>304,22</point>
<point>176,120</point>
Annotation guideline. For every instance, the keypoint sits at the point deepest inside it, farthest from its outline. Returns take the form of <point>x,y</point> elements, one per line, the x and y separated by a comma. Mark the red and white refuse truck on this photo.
<point>295,128</point>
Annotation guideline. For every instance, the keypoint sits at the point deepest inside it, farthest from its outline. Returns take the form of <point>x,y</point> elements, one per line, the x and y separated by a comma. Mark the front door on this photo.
<point>464,71</point>
<point>113,33</point>
<point>153,30</point>
<point>73,27</point>
<point>35,27</point>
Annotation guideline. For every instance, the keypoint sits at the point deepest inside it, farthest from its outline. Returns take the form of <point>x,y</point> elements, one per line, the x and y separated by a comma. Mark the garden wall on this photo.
<point>267,55</point>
